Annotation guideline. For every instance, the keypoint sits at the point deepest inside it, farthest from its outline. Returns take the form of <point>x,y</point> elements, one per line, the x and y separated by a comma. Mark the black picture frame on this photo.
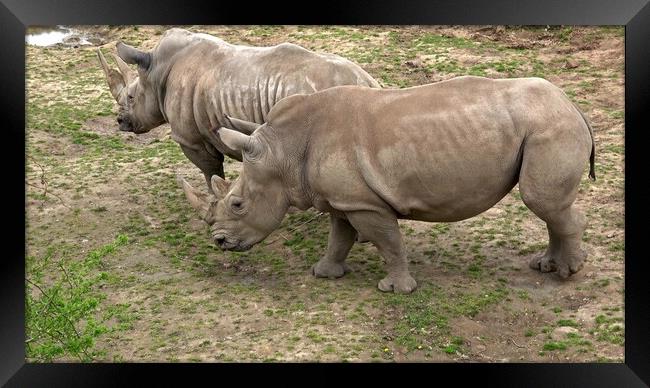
<point>16,15</point>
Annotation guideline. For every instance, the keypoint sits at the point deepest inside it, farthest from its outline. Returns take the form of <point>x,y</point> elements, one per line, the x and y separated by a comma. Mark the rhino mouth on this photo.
<point>226,244</point>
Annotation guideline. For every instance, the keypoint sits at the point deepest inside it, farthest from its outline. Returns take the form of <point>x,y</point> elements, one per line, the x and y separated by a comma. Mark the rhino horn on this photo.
<point>238,141</point>
<point>197,199</point>
<point>126,71</point>
<point>242,126</point>
<point>115,79</point>
<point>134,56</point>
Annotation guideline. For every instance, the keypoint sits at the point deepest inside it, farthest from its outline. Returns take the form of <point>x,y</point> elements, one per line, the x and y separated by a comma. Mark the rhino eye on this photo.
<point>130,97</point>
<point>236,205</point>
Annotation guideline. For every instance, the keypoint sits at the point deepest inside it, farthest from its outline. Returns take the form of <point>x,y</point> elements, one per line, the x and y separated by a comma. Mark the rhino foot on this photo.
<point>403,284</point>
<point>563,267</point>
<point>566,268</point>
<point>544,263</point>
<point>329,269</point>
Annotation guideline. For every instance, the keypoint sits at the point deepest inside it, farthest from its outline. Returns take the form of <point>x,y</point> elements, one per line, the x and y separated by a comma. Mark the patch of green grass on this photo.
<point>315,336</point>
<point>567,322</point>
<point>455,346</point>
<point>425,314</point>
<point>552,346</point>
<point>61,313</point>
<point>609,329</point>
<point>438,230</point>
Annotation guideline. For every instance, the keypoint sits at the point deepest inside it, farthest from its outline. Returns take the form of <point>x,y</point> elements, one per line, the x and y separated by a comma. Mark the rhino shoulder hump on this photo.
<point>286,106</point>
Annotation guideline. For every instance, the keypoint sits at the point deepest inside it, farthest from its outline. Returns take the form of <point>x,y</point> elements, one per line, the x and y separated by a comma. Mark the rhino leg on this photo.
<point>551,170</point>
<point>564,253</point>
<point>383,231</point>
<point>209,164</point>
<point>339,243</point>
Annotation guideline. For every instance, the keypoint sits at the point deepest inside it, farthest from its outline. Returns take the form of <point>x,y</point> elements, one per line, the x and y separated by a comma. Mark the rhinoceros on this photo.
<point>196,82</point>
<point>441,152</point>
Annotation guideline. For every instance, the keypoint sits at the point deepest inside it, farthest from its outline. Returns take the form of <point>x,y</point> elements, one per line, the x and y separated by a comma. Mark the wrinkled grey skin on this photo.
<point>194,81</point>
<point>440,153</point>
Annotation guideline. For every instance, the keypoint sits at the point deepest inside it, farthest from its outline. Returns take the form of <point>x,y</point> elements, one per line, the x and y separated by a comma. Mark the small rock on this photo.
<point>414,63</point>
<point>500,29</point>
<point>72,39</point>
<point>571,64</point>
<point>480,348</point>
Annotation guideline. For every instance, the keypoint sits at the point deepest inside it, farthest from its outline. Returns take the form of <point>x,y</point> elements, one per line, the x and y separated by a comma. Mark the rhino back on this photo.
<point>440,152</point>
<point>211,79</point>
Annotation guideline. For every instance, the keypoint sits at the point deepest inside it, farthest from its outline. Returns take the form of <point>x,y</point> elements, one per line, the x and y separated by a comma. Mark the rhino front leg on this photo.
<point>383,231</point>
<point>209,164</point>
<point>339,243</point>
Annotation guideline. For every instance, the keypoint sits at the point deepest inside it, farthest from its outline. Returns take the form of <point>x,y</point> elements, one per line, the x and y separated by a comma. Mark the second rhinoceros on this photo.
<point>196,82</point>
<point>439,152</point>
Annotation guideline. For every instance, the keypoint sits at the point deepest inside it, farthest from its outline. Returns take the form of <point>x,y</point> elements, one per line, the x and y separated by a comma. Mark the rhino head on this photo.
<point>134,91</point>
<point>245,211</point>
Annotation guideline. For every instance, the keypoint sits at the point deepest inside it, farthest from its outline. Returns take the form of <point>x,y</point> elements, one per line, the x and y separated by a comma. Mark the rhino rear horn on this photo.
<point>242,126</point>
<point>134,56</point>
<point>126,71</point>
<point>115,80</point>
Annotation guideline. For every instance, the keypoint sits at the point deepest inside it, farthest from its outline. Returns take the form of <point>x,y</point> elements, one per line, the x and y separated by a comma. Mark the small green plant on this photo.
<point>567,322</point>
<point>60,318</point>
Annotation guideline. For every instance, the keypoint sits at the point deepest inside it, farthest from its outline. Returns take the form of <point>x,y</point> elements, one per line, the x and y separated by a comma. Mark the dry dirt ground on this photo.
<point>126,271</point>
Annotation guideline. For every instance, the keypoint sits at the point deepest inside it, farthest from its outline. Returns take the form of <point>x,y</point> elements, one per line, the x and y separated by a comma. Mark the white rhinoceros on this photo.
<point>195,82</point>
<point>440,152</point>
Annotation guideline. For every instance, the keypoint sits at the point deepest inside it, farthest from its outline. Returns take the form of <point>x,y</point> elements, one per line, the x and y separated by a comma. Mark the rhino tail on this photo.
<point>592,157</point>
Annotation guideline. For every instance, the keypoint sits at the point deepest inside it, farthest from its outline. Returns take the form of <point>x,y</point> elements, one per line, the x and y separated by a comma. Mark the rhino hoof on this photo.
<point>401,285</point>
<point>566,270</point>
<point>543,263</point>
<point>328,269</point>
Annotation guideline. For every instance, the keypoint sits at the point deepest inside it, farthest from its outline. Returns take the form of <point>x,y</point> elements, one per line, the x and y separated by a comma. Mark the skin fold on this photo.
<point>438,153</point>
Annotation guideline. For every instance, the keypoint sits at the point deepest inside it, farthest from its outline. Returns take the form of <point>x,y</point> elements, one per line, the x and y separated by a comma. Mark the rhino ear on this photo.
<point>134,56</point>
<point>238,141</point>
<point>197,199</point>
<point>242,126</point>
<point>220,186</point>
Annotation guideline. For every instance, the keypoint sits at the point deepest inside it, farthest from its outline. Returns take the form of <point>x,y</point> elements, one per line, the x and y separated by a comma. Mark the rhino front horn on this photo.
<point>115,79</point>
<point>197,199</point>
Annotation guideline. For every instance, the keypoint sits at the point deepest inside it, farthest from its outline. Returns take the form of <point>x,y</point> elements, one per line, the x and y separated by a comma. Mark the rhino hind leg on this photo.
<point>384,233</point>
<point>340,241</point>
<point>565,256</point>
<point>548,183</point>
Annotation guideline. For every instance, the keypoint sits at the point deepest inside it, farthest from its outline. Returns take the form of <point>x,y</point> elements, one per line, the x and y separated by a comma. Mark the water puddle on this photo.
<point>48,36</point>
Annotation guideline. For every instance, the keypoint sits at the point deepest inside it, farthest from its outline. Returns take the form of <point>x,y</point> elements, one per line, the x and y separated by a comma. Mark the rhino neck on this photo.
<point>289,152</point>
<point>160,85</point>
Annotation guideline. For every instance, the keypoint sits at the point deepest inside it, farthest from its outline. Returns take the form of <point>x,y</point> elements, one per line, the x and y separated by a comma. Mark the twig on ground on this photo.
<point>295,228</point>
<point>45,185</point>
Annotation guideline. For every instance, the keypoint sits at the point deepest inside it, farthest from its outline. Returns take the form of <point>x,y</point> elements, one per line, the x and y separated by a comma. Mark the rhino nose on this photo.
<point>220,240</point>
<point>119,120</point>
